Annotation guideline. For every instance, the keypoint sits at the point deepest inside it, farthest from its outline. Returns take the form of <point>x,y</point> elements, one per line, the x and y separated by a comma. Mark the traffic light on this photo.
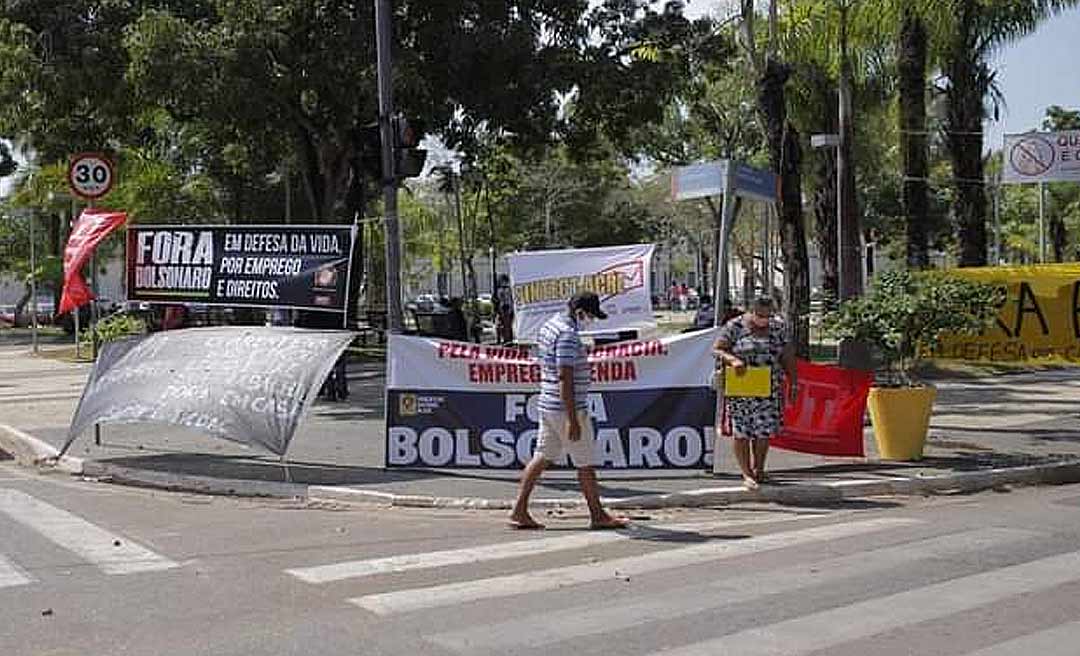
<point>408,157</point>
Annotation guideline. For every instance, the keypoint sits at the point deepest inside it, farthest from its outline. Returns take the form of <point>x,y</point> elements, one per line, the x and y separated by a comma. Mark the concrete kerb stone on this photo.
<point>29,451</point>
<point>191,483</point>
<point>1052,473</point>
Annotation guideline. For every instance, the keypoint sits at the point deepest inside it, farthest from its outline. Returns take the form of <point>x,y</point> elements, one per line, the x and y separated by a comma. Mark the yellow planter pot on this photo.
<point>901,419</point>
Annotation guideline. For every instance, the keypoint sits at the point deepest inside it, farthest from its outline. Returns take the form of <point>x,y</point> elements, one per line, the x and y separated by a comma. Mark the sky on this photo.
<point>1034,72</point>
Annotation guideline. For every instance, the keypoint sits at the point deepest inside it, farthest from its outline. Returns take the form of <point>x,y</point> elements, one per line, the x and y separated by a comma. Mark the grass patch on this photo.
<point>66,354</point>
<point>934,369</point>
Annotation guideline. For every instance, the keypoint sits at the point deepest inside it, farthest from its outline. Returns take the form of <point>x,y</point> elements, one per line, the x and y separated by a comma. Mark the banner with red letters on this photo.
<point>92,226</point>
<point>826,417</point>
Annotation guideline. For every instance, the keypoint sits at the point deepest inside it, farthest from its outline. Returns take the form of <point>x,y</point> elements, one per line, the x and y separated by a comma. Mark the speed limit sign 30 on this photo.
<point>90,175</point>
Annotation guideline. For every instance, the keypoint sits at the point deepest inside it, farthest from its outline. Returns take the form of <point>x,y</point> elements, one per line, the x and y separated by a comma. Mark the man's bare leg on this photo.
<point>599,518</point>
<point>520,516</point>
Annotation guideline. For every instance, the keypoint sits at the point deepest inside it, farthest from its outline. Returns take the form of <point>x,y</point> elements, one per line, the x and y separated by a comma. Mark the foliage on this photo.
<point>905,311</point>
<point>112,328</point>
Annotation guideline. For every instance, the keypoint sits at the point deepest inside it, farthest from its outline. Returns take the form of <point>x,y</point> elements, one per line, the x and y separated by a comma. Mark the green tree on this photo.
<point>784,146</point>
<point>1064,196</point>
<point>976,29</point>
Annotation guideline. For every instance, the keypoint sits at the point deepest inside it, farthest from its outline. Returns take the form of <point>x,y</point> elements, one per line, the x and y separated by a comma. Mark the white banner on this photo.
<point>1042,157</point>
<point>457,404</point>
<point>430,363</point>
<point>543,282</point>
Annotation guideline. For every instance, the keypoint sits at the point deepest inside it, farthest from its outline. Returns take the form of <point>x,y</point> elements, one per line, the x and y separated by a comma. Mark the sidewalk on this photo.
<point>986,432</point>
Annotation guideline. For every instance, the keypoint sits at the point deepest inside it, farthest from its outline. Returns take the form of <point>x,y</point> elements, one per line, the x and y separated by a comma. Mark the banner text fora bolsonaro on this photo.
<point>453,404</point>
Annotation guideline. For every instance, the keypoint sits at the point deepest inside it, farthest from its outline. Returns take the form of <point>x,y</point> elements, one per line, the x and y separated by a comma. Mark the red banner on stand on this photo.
<point>826,417</point>
<point>92,226</point>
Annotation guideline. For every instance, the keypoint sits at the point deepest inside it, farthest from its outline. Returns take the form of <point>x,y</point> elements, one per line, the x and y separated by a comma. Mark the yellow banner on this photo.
<point>1040,318</point>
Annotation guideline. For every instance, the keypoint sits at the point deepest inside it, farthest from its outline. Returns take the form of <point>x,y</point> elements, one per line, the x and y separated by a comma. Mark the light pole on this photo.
<point>383,37</point>
<point>33,286</point>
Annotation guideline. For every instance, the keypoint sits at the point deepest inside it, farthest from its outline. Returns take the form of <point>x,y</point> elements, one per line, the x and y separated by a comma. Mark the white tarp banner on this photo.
<point>456,404</point>
<point>1042,157</point>
<point>543,281</point>
<point>247,384</point>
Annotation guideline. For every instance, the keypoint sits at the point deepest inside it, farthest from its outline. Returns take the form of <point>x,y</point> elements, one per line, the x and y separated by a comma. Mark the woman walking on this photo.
<point>755,339</point>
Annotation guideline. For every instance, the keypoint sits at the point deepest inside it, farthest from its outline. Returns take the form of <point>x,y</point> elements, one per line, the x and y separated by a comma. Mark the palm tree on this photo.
<point>911,68</point>
<point>785,159</point>
<point>977,29</point>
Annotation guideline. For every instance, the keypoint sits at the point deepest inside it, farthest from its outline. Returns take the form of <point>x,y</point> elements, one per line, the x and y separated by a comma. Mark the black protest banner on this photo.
<point>258,266</point>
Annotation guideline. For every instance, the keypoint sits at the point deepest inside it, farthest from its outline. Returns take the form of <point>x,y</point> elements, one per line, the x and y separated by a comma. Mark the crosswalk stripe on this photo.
<point>402,601</point>
<point>10,575</point>
<point>506,550</point>
<point>579,622</point>
<point>826,629</point>
<point>113,554</point>
<point>1057,641</point>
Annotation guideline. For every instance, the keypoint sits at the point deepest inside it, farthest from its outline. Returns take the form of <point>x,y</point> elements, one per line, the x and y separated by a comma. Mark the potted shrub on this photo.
<point>905,313</point>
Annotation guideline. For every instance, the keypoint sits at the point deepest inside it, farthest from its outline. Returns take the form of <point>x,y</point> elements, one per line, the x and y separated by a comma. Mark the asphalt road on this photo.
<point>90,568</point>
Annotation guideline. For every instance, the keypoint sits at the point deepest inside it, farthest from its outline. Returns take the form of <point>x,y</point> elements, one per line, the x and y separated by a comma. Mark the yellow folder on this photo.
<point>752,381</point>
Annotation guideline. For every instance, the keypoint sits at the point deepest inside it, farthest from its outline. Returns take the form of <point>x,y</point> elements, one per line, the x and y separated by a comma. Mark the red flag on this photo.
<point>826,417</point>
<point>92,226</point>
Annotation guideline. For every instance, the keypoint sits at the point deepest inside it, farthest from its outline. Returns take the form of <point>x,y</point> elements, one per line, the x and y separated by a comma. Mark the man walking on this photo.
<point>565,425</point>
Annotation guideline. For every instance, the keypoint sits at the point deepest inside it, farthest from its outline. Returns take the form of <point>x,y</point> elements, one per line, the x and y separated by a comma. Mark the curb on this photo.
<point>1053,473</point>
<point>29,451</point>
<point>137,477</point>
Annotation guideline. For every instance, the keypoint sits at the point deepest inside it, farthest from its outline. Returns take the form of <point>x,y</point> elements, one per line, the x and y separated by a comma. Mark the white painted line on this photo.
<point>577,622</point>
<point>11,575</point>
<point>112,554</point>
<point>1058,641</point>
<point>506,550</point>
<point>403,601</point>
<point>827,629</point>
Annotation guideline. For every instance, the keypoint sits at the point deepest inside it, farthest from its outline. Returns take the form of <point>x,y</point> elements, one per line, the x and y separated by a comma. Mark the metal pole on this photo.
<point>288,194</point>
<point>75,312</point>
<point>766,250</point>
<point>33,289</point>
<point>1042,223</point>
<point>93,301</point>
<point>997,222</point>
<point>849,267</point>
<point>383,37</point>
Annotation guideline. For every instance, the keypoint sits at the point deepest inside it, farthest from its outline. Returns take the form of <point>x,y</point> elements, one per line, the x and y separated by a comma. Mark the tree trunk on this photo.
<point>326,168</point>
<point>824,203</point>
<point>823,173</point>
<point>913,138</point>
<point>785,156</point>
<point>968,85</point>
<point>1058,237</point>
<point>850,228</point>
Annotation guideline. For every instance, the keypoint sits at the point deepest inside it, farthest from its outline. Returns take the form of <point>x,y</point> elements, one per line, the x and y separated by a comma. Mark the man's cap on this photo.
<point>588,302</point>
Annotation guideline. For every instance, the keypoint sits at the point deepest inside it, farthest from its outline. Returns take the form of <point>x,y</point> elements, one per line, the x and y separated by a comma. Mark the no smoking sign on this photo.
<point>1032,156</point>
<point>90,175</point>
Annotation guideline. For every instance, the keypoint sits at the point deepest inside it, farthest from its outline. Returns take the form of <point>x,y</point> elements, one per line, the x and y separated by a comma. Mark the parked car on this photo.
<point>7,316</point>
<point>426,303</point>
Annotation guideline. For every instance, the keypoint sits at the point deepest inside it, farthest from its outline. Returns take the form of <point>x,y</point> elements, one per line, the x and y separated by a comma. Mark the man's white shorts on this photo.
<point>552,440</point>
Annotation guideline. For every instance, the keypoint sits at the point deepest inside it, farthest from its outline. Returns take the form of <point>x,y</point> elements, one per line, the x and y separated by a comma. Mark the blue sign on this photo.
<point>699,180</point>
<point>754,183</point>
<point>710,178</point>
